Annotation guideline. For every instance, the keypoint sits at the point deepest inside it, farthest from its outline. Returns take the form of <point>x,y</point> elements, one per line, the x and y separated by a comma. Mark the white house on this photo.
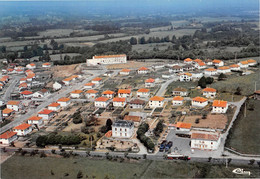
<point>67,81</point>
<point>64,101</point>
<point>107,59</point>
<point>124,72</point>
<point>8,137</point>
<point>122,129</point>
<point>119,102</point>
<point>57,86</point>
<point>31,66</point>
<point>54,106</point>
<point>41,94</point>
<point>14,105</point>
<point>156,101</point>
<point>177,101</point>
<point>188,67</point>
<point>176,69</point>
<point>199,102</point>
<point>102,102</point>
<point>26,94</point>
<point>46,114</point>
<point>224,69</point>
<point>208,62</point>
<point>219,106</point>
<point>205,140</point>
<point>143,70</point>
<point>149,83</point>
<point>143,92</point>
<point>96,81</point>
<point>251,62</point>
<point>179,91</point>
<point>197,61</point>
<point>7,112</point>
<point>23,80</point>
<point>124,93</point>
<point>76,94</point>
<point>92,94</point>
<point>234,67</point>
<point>46,65</point>
<point>218,63</point>
<point>200,65</point>
<point>137,104</point>
<point>210,72</point>
<point>188,61</point>
<point>89,85</point>
<point>243,64</point>
<point>108,94</point>
<point>23,129</point>
<point>183,127</point>
<point>209,92</point>
<point>185,77</point>
<point>35,120</point>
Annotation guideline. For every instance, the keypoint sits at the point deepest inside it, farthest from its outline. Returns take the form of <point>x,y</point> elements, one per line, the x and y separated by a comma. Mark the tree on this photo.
<point>197,120</point>
<point>109,125</point>
<point>77,118</point>
<point>209,80</point>
<point>202,82</point>
<point>133,41</point>
<point>238,91</point>
<point>41,141</point>
<point>251,162</point>
<point>142,40</point>
<point>221,77</point>
<point>79,175</point>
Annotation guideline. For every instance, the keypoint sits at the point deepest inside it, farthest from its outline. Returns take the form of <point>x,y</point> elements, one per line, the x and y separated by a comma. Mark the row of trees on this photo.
<point>148,143</point>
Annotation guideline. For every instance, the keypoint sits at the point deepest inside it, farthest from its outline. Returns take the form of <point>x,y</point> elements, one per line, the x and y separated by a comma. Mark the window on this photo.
<point>115,129</point>
<point>126,130</point>
<point>120,129</point>
<point>125,134</point>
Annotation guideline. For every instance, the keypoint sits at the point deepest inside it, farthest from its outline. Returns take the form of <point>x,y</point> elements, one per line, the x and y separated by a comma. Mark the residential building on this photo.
<point>200,65</point>
<point>7,112</point>
<point>64,101</point>
<point>177,101</point>
<point>92,94</point>
<point>185,77</point>
<point>122,129</point>
<point>156,101</point>
<point>54,106</point>
<point>57,85</point>
<point>23,86</point>
<point>149,83</point>
<point>31,66</point>
<point>209,92</point>
<point>210,72</point>
<point>14,105</point>
<point>208,62</point>
<point>108,94</point>
<point>257,95</point>
<point>205,140</point>
<point>188,67</point>
<point>107,59</point>
<point>96,81</point>
<point>76,94</point>
<point>183,127</point>
<point>197,61</point>
<point>137,104</point>
<point>125,72</point>
<point>234,67</point>
<point>89,85</point>
<point>251,62</point>
<point>179,91</point>
<point>23,80</point>
<point>143,70</point>
<point>26,94</point>
<point>41,94</point>
<point>23,129</point>
<point>224,69</point>
<point>135,119</point>
<point>143,92</point>
<point>46,114</point>
<point>243,64</point>
<point>124,93</point>
<point>46,65</point>
<point>119,102</point>
<point>188,61</point>
<point>219,106</point>
<point>199,102</point>
<point>102,102</point>
<point>35,120</point>
<point>67,81</point>
<point>8,137</point>
<point>176,69</point>
<point>218,63</point>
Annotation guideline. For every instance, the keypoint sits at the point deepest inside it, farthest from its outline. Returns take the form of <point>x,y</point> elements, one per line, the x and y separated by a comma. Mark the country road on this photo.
<point>10,88</point>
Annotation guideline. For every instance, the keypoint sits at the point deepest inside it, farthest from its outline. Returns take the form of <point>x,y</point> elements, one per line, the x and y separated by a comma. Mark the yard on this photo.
<point>53,167</point>
<point>176,84</point>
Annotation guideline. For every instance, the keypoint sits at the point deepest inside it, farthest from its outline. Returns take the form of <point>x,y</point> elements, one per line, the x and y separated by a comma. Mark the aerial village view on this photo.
<point>125,96</point>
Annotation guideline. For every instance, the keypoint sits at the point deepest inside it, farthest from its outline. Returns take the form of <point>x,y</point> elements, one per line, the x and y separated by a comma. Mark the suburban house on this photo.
<point>96,81</point>
<point>23,129</point>
<point>188,67</point>
<point>14,105</point>
<point>102,102</point>
<point>199,102</point>
<point>183,127</point>
<point>8,137</point>
<point>257,95</point>
<point>89,85</point>
<point>177,101</point>
<point>143,70</point>
<point>185,77</point>
<point>135,119</point>
<point>67,81</point>
<point>224,69</point>
<point>124,93</point>
<point>19,71</point>
<point>119,102</point>
<point>176,69</point>
<point>158,66</point>
<point>137,103</point>
<point>208,62</point>
<point>64,101</point>
<point>23,80</point>
<point>26,94</point>
<point>41,94</point>
<point>125,72</point>
<point>200,65</point>
<point>122,129</point>
<point>23,86</point>
<point>31,66</point>
<point>57,85</point>
<point>108,94</point>
<point>156,101</point>
<point>107,59</point>
<point>205,140</point>
<point>46,65</point>
<point>149,83</point>
<point>143,92</point>
<point>197,61</point>
<point>179,91</point>
<point>234,67</point>
<point>218,63</point>
<point>209,92</point>
<point>196,74</point>
<point>210,72</point>
<point>46,114</point>
<point>243,64</point>
<point>7,112</point>
<point>188,61</point>
<point>76,94</point>
<point>251,62</point>
<point>35,120</point>
<point>219,106</point>
<point>91,93</point>
<point>54,106</point>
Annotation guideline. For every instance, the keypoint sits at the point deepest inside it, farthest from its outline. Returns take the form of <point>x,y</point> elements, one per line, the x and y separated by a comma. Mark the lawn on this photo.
<point>50,167</point>
<point>245,130</point>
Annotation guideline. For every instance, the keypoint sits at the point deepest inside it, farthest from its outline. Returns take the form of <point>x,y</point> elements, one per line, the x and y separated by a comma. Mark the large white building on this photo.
<point>156,101</point>
<point>8,137</point>
<point>123,129</point>
<point>102,102</point>
<point>119,102</point>
<point>107,59</point>
<point>199,102</point>
<point>143,92</point>
<point>23,129</point>
<point>205,140</point>
<point>219,106</point>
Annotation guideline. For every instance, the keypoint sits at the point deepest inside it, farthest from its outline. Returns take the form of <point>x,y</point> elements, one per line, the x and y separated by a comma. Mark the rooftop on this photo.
<point>54,105</point>
<point>7,135</point>
<point>34,118</point>
<point>109,56</point>
<point>143,90</point>
<point>199,99</point>
<point>137,101</point>
<point>219,103</point>
<point>92,91</point>
<point>127,91</point>
<point>63,99</point>
<point>119,100</point>
<point>108,92</point>
<point>209,90</point>
<point>123,123</point>
<point>157,98</point>
<point>205,136</point>
<point>104,99</point>
<point>183,125</point>
<point>177,98</point>
<point>22,126</point>
<point>45,111</point>
<point>13,102</point>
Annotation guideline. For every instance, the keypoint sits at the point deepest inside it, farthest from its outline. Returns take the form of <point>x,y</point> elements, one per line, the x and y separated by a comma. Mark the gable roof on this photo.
<point>216,61</point>
<point>7,111</point>
<point>177,98</point>
<point>104,99</point>
<point>143,69</point>
<point>143,90</point>
<point>63,99</point>
<point>76,91</point>
<point>224,68</point>
<point>26,92</point>
<point>97,79</point>
<point>22,126</point>
<point>156,98</point>
<point>132,118</point>
<point>219,103</point>
<point>54,105</point>
<point>201,64</point>
<point>211,69</point>
<point>180,89</point>
<point>7,135</point>
<point>46,111</point>
<point>92,91</point>
<point>125,91</point>
<point>183,125</point>
<point>234,66</point>
<point>89,84</point>
<point>150,80</point>
<point>13,102</point>
<point>205,136</point>
<point>119,100</point>
<point>125,70</point>
<point>199,99</point>
<point>244,62</point>
<point>251,61</point>
<point>108,92</point>
<point>34,118</point>
<point>209,90</point>
<point>188,60</point>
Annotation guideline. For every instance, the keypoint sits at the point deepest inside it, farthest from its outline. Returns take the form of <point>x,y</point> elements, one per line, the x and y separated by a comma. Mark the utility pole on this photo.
<point>226,163</point>
<point>255,85</point>
<point>245,110</point>
<point>236,57</point>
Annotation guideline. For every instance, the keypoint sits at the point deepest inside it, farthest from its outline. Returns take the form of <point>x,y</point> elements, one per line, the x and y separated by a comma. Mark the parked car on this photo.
<point>168,146</point>
<point>163,145</point>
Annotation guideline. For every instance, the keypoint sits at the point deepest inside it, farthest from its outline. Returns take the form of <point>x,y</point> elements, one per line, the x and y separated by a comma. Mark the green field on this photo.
<point>35,167</point>
<point>245,131</point>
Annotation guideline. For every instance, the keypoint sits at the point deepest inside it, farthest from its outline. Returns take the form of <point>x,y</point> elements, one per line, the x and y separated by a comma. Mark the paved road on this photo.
<point>54,97</point>
<point>164,86</point>
<point>10,88</point>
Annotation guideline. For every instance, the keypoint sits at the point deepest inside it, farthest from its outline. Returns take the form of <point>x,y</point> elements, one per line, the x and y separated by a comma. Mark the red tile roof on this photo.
<point>216,61</point>
<point>89,84</point>
<point>211,69</point>
<point>63,99</point>
<point>177,98</point>
<point>157,98</point>
<point>125,70</point>
<point>7,135</point>
<point>13,102</point>
<point>26,92</point>
<point>209,90</point>
<point>108,92</point>
<point>204,136</point>
<point>119,100</point>
<point>219,103</point>
<point>104,99</point>
<point>143,90</point>
<point>7,111</point>
<point>183,125</point>
<point>34,118</point>
<point>109,56</point>
<point>97,79</point>
<point>150,80</point>
<point>199,99</point>
<point>143,69</point>
<point>92,91</point>
<point>22,126</point>
<point>45,111</point>
<point>77,91</point>
<point>54,105</point>
<point>125,91</point>
<point>188,60</point>
<point>132,118</point>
